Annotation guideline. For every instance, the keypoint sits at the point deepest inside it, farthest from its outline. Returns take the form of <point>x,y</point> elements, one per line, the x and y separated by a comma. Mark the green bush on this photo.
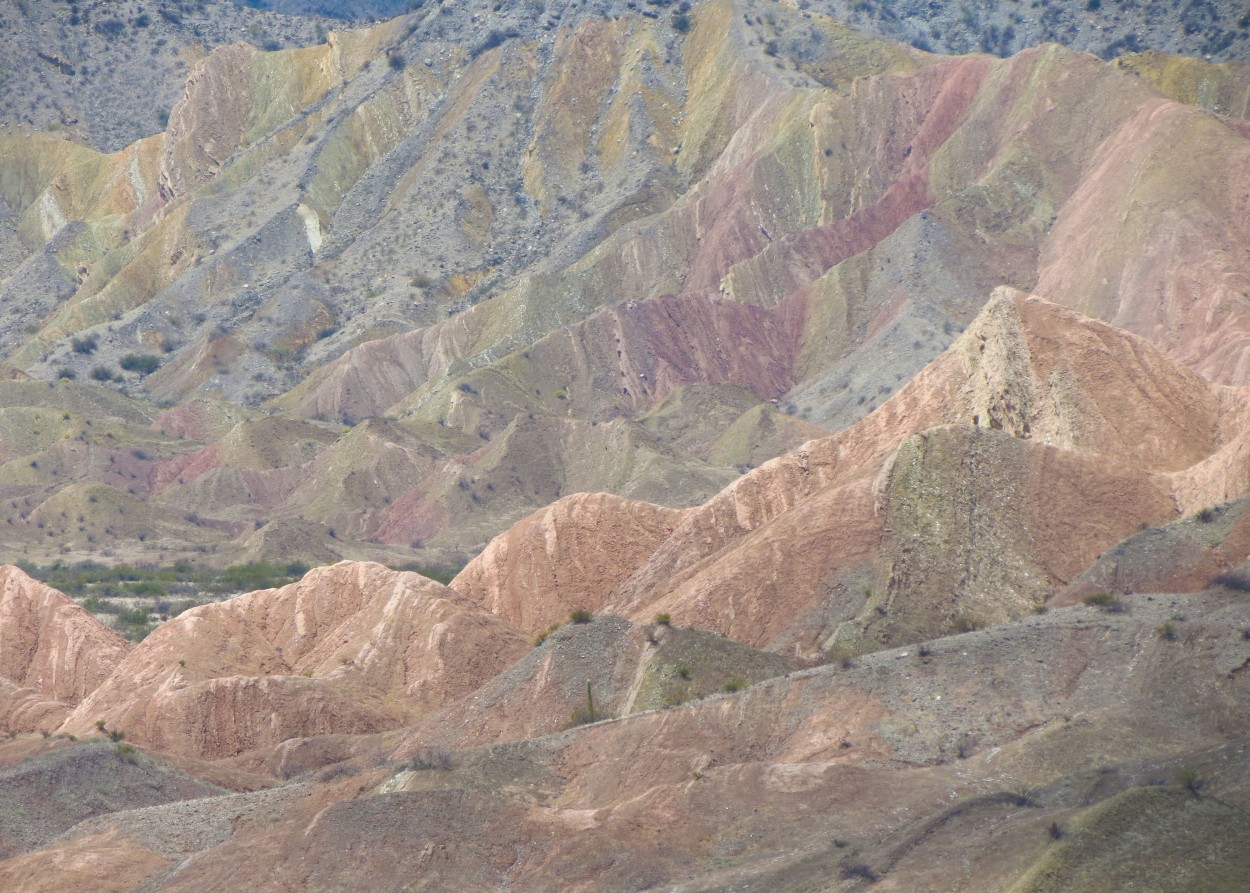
<point>1104,601</point>
<point>144,364</point>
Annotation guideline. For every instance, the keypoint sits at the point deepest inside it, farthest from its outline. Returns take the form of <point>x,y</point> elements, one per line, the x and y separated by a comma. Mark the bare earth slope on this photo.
<point>877,420</point>
<point>909,766</point>
<point>1066,748</point>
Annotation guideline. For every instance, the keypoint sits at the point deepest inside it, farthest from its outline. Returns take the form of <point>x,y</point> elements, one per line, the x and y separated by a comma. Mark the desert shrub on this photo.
<point>734,685</point>
<point>962,623</point>
<point>542,636</point>
<point>257,575</point>
<point>342,770</point>
<point>965,746</point>
<point>1167,632</point>
<point>1104,601</point>
<point>144,364</point>
<point>580,615</point>
<point>85,345</point>
<point>1023,796</point>
<point>132,616</point>
<point>852,871</point>
<point>1191,781</point>
<point>110,28</point>
<point>684,672</point>
<point>1206,515</point>
<point>430,759</point>
<point>494,39</point>
<point>126,752</point>
<point>101,373</point>
<point>1236,580</point>
<point>664,619</point>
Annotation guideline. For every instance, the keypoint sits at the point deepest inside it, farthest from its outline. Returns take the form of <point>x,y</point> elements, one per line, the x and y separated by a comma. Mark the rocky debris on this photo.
<point>44,796</point>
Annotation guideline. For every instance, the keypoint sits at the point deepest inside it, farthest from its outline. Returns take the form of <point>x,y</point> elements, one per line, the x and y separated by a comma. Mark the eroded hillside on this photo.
<point>383,296</point>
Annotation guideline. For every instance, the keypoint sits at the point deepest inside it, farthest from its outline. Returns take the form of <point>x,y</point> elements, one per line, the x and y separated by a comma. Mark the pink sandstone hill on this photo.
<point>873,424</point>
<point>53,653</point>
<point>351,648</point>
<point>577,551</point>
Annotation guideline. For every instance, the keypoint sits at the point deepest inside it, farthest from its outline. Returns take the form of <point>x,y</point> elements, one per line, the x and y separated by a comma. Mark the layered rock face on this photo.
<point>53,654</point>
<point>576,552</point>
<point>875,423</point>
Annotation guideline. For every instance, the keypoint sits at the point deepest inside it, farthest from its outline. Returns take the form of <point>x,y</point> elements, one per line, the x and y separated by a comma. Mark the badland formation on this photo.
<point>738,445</point>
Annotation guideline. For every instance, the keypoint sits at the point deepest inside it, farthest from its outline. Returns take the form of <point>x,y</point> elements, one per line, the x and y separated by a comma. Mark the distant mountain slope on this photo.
<point>473,261</point>
<point>1215,29</point>
<point>993,478</point>
<point>338,9</point>
<point>109,74</point>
